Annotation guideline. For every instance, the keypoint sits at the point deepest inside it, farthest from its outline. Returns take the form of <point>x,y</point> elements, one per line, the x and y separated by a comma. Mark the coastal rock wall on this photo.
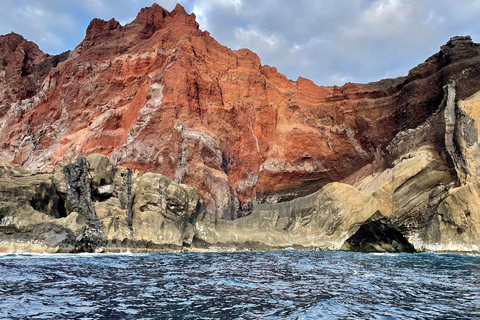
<point>421,195</point>
<point>153,136</point>
<point>425,199</point>
<point>160,95</point>
<point>90,205</point>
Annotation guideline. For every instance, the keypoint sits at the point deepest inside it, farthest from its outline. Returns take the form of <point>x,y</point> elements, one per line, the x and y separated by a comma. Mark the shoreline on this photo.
<point>37,250</point>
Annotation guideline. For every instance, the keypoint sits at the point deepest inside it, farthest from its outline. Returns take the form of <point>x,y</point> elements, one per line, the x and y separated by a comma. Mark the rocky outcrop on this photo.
<point>323,220</point>
<point>92,205</point>
<point>163,210</point>
<point>431,170</point>
<point>151,135</point>
<point>29,204</point>
<point>89,205</point>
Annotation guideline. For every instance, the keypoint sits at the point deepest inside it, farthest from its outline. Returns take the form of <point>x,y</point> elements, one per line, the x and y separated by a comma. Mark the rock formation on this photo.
<point>89,205</point>
<point>152,135</point>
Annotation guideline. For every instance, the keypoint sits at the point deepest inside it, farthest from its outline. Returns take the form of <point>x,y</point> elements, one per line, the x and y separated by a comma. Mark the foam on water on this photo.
<point>48,255</point>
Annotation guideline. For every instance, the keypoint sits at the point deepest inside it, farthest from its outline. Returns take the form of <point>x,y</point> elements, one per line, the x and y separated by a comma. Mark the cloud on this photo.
<point>204,10</point>
<point>329,42</point>
<point>357,41</point>
<point>54,25</point>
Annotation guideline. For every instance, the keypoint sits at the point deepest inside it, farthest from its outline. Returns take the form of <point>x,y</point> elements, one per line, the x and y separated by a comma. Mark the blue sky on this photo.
<point>327,41</point>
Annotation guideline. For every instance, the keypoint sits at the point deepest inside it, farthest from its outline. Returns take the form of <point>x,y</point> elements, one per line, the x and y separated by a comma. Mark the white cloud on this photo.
<point>340,78</point>
<point>204,10</point>
<point>385,17</point>
<point>248,37</point>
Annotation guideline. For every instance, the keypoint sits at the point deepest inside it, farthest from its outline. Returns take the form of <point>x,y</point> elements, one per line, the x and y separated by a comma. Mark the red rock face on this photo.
<point>160,95</point>
<point>17,66</point>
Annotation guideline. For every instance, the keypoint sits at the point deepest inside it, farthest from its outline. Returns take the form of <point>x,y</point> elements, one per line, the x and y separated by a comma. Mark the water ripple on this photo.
<point>272,285</point>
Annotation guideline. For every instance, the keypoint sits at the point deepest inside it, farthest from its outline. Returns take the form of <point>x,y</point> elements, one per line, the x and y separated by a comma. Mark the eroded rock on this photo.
<point>377,235</point>
<point>101,172</point>
<point>162,210</point>
<point>141,211</point>
<point>322,220</point>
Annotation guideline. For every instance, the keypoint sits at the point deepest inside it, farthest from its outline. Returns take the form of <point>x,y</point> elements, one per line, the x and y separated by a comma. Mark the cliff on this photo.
<point>269,162</point>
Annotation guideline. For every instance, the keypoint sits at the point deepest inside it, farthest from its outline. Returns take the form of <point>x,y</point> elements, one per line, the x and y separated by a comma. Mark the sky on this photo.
<point>328,41</point>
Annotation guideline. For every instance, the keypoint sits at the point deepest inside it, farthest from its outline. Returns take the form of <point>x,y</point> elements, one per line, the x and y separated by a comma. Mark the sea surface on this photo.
<point>250,285</point>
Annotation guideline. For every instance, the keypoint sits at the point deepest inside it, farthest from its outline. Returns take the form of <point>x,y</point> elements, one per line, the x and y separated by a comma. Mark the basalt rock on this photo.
<point>79,193</point>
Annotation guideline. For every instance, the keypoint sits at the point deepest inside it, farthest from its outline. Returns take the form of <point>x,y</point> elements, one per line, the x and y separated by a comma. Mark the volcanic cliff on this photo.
<point>269,162</point>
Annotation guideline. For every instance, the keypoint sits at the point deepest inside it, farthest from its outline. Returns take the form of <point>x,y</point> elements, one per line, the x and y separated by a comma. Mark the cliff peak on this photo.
<point>459,39</point>
<point>179,9</point>
<point>12,35</point>
<point>99,26</point>
<point>457,44</point>
<point>153,15</point>
<point>14,40</point>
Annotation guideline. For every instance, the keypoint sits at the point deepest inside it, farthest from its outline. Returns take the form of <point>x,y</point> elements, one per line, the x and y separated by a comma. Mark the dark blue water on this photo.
<point>272,285</point>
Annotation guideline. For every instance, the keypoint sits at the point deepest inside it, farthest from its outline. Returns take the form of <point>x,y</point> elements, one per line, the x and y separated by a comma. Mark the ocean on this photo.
<point>244,285</point>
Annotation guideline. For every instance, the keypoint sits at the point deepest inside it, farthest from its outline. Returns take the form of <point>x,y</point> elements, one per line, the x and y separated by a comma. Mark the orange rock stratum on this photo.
<point>161,95</point>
